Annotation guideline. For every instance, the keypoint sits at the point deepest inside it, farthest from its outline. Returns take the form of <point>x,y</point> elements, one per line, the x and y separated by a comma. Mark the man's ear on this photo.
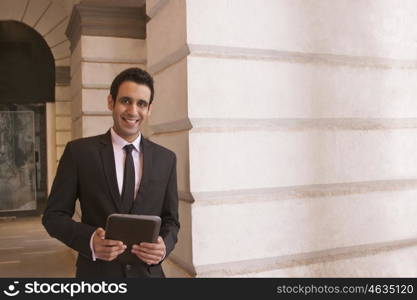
<point>110,102</point>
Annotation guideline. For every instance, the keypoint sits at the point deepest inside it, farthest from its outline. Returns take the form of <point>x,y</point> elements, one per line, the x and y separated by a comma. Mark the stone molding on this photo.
<point>169,127</point>
<point>153,11</point>
<point>224,52</point>
<point>98,20</point>
<point>288,261</point>
<point>301,192</point>
<point>198,125</point>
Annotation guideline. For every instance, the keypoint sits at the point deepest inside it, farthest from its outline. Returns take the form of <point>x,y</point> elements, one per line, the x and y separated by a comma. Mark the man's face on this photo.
<point>130,109</point>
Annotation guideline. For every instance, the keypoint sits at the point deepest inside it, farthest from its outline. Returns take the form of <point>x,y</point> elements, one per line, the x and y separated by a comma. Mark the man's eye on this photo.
<point>124,100</point>
<point>143,104</point>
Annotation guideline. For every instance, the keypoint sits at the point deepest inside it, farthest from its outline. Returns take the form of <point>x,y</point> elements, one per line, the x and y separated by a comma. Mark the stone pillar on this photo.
<point>169,123</point>
<point>294,123</point>
<point>50,144</point>
<point>58,120</point>
<point>62,122</point>
<point>104,41</point>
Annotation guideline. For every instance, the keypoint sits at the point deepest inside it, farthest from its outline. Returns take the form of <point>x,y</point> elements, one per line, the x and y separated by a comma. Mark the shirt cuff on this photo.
<point>93,255</point>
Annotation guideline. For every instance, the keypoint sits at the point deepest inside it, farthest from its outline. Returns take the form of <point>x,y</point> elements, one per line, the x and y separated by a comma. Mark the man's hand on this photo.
<point>150,253</point>
<point>106,249</point>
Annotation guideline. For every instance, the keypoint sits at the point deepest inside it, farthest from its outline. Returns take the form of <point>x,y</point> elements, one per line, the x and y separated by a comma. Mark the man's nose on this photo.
<point>132,109</point>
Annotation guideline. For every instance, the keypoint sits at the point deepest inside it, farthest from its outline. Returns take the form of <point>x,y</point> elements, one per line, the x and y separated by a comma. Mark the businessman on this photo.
<point>117,172</point>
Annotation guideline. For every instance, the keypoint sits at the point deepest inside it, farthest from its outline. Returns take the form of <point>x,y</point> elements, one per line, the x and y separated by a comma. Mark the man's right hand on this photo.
<point>106,249</point>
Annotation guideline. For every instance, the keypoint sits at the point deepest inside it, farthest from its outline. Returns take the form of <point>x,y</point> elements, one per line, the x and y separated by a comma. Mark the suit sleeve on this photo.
<point>170,221</point>
<point>57,217</point>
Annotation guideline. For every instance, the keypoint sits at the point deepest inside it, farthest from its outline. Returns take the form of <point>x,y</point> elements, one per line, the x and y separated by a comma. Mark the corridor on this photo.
<point>26,250</point>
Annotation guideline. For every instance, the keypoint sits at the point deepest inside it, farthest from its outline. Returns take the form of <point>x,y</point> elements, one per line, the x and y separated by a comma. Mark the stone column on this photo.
<point>58,120</point>
<point>294,123</point>
<point>62,110</point>
<point>169,123</point>
<point>104,41</point>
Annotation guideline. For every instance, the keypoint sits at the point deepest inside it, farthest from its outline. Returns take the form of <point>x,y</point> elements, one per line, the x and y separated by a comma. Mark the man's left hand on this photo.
<point>150,253</point>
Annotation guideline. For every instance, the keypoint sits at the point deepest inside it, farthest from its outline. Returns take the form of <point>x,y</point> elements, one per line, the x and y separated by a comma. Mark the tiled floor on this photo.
<point>26,250</point>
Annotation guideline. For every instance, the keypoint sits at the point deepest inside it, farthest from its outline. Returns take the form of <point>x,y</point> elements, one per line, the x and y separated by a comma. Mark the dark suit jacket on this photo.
<point>87,171</point>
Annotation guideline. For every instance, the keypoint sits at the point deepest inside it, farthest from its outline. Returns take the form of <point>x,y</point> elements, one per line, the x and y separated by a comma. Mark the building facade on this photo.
<point>293,123</point>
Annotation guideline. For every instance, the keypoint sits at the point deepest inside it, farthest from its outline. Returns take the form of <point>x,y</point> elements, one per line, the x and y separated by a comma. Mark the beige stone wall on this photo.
<point>294,125</point>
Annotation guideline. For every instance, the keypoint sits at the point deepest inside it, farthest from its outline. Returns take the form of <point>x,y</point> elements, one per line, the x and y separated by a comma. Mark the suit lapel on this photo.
<point>107,157</point>
<point>146,148</point>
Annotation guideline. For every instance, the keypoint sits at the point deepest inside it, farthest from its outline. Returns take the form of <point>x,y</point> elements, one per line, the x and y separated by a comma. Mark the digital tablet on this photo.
<point>132,229</point>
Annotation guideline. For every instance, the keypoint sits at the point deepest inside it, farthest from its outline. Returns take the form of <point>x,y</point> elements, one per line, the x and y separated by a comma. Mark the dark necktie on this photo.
<point>128,190</point>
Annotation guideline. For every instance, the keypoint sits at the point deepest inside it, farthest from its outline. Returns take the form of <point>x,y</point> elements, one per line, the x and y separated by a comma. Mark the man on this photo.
<point>117,172</point>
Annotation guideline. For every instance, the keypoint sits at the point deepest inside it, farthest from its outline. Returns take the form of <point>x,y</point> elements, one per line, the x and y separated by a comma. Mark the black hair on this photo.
<point>132,74</point>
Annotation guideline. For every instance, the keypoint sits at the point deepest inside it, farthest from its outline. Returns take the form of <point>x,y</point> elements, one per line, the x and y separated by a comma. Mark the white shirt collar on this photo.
<point>121,142</point>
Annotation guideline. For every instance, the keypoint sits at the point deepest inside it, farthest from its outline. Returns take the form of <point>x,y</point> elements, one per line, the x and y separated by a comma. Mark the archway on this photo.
<point>27,82</point>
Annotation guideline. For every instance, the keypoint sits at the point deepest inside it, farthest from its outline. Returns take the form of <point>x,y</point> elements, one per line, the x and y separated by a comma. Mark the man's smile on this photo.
<point>130,121</point>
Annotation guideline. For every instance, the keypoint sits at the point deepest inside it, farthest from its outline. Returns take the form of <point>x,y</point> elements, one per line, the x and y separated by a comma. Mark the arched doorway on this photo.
<point>27,82</point>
